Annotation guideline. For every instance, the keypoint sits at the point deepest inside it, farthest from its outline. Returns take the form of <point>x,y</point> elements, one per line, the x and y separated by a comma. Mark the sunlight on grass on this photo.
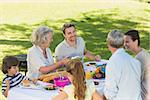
<point>1,77</point>
<point>93,19</point>
<point>32,12</point>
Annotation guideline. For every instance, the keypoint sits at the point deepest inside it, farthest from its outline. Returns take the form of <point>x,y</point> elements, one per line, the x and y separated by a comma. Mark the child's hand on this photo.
<point>8,83</point>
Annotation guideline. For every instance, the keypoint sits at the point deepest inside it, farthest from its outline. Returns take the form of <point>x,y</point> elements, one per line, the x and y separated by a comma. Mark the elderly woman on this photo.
<point>39,57</point>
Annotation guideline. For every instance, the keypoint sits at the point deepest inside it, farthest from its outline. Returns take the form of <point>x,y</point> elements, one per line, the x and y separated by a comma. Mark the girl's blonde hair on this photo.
<point>75,68</point>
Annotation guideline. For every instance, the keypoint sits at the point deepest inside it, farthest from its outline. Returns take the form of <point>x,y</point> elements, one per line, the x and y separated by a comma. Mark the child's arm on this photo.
<point>7,88</point>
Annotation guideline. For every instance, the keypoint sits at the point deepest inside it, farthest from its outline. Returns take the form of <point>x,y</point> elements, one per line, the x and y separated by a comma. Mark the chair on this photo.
<point>23,63</point>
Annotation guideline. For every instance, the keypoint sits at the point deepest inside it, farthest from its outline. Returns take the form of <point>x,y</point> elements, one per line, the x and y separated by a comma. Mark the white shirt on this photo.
<point>144,58</point>
<point>123,74</point>
<point>36,59</point>
<point>65,50</point>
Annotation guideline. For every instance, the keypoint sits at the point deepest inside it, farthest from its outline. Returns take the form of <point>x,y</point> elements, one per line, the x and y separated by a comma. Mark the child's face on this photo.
<point>13,70</point>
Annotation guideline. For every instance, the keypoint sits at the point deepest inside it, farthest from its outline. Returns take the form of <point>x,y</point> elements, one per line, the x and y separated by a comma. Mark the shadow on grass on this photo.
<point>23,43</point>
<point>92,26</point>
<point>22,29</point>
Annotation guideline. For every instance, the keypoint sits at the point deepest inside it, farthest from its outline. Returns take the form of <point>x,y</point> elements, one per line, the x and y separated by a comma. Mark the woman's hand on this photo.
<point>64,61</point>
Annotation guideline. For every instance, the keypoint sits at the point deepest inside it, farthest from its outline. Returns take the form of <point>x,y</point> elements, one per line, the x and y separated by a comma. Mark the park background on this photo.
<point>93,19</point>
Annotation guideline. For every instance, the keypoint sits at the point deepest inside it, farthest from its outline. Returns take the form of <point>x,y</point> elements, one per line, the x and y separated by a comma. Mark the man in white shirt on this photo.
<point>72,45</point>
<point>132,43</point>
<point>123,72</point>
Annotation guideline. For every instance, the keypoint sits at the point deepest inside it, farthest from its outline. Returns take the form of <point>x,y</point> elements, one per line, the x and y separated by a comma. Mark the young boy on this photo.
<point>13,78</point>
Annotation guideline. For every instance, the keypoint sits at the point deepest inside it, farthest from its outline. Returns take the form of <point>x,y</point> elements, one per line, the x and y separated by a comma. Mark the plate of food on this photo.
<point>29,85</point>
<point>95,63</point>
<point>51,87</point>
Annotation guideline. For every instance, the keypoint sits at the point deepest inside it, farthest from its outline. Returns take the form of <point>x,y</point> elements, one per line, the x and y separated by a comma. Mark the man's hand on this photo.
<point>97,58</point>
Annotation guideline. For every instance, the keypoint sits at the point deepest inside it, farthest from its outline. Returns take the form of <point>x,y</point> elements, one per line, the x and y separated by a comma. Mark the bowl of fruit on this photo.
<point>96,74</point>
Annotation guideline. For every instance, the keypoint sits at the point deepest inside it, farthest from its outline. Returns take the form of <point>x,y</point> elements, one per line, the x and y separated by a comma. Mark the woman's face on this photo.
<point>129,43</point>
<point>49,40</point>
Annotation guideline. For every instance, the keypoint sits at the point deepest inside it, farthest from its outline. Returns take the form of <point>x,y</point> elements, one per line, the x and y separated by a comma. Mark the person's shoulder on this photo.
<point>48,49</point>
<point>80,39</point>
<point>20,74</point>
<point>144,51</point>
<point>60,45</point>
<point>5,79</point>
<point>32,49</point>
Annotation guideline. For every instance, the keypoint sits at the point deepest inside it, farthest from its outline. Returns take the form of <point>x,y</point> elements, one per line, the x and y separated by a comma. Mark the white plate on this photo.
<point>93,67</point>
<point>102,62</point>
<point>43,84</point>
<point>32,86</point>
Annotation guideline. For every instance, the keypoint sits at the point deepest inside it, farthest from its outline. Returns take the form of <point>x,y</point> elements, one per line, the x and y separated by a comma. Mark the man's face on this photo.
<point>70,34</point>
<point>129,43</point>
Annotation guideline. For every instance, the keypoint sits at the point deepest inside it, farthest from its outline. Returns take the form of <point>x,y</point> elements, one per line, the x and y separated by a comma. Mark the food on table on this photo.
<point>88,75</point>
<point>26,83</point>
<point>96,83</point>
<point>50,87</point>
<point>51,76</point>
<point>91,64</point>
<point>97,70</point>
<point>88,65</point>
<point>97,74</point>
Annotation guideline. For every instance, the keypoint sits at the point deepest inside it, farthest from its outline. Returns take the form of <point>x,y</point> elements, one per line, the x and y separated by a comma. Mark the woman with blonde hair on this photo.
<point>80,89</point>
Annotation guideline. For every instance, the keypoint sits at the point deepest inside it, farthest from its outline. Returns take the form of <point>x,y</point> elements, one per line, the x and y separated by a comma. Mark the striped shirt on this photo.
<point>14,81</point>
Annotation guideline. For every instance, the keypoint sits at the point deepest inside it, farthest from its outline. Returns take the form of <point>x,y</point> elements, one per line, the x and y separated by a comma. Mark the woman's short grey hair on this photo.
<point>39,35</point>
<point>115,39</point>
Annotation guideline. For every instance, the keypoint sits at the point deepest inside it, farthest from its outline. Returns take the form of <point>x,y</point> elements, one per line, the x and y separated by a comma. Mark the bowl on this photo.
<point>61,81</point>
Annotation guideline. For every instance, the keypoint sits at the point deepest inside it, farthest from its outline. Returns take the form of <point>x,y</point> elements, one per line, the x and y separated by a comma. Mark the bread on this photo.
<point>51,76</point>
<point>26,83</point>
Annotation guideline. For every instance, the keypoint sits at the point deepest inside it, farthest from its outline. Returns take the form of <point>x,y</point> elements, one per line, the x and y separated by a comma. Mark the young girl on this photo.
<point>80,89</point>
<point>12,78</point>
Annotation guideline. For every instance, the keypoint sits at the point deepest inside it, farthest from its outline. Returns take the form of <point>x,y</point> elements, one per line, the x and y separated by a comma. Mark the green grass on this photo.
<point>94,19</point>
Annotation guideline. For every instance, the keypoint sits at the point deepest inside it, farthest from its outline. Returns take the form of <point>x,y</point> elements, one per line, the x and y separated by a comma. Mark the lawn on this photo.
<point>94,19</point>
